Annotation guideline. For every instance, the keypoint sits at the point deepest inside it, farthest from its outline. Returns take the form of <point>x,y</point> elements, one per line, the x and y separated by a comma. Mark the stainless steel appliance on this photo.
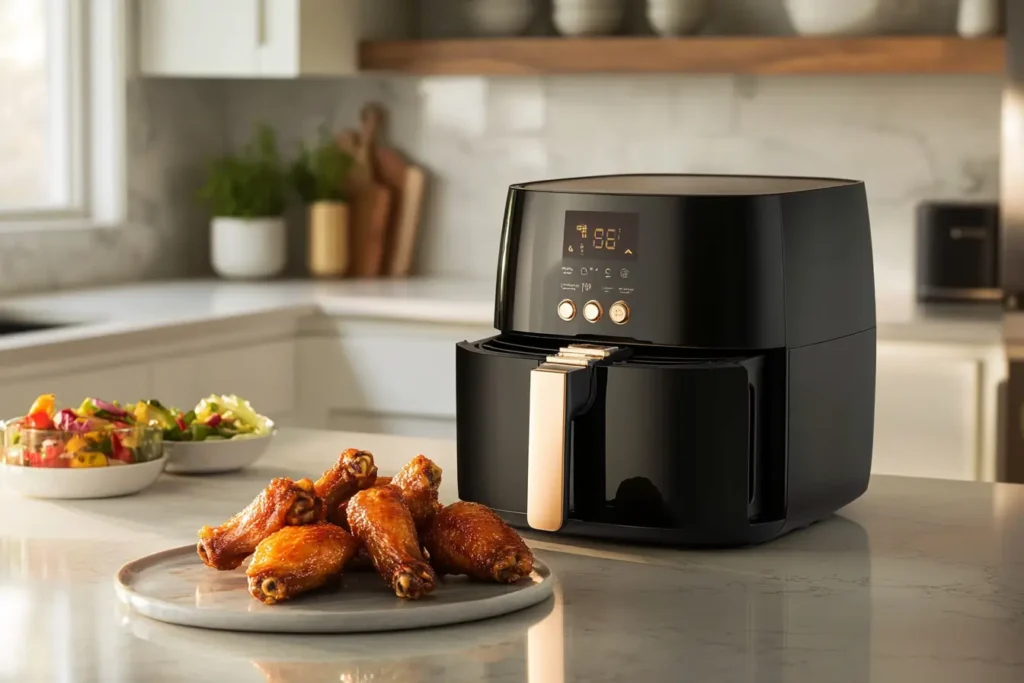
<point>682,359</point>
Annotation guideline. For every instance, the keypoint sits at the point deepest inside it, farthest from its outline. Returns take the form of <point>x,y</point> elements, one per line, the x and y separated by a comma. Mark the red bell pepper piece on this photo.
<point>119,450</point>
<point>180,421</point>
<point>38,420</point>
<point>214,420</point>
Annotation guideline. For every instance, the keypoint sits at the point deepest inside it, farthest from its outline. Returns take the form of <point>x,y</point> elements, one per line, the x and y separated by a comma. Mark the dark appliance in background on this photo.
<point>1011,456</point>
<point>958,252</point>
<point>686,360</point>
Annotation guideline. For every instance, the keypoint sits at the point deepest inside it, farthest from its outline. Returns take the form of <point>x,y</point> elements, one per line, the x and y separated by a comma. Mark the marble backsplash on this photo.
<point>909,137</point>
<point>174,128</point>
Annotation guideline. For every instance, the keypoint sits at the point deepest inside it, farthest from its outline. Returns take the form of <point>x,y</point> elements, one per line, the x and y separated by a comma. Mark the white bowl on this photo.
<point>214,457</point>
<point>676,17</point>
<point>855,17</point>
<point>588,17</point>
<point>500,17</point>
<point>69,483</point>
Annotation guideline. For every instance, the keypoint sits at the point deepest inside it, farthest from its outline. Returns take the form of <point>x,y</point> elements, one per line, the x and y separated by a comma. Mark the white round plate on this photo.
<point>75,483</point>
<point>214,457</point>
<point>176,587</point>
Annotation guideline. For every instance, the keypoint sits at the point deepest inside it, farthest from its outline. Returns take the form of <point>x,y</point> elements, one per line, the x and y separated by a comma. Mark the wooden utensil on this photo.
<point>371,202</point>
<point>407,183</point>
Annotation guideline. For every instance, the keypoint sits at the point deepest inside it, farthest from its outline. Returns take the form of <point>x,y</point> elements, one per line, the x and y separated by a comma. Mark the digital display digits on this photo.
<point>600,235</point>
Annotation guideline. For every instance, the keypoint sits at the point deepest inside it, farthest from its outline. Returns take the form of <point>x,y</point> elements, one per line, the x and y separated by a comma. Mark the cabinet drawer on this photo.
<point>927,420</point>
<point>390,369</point>
<point>264,374</point>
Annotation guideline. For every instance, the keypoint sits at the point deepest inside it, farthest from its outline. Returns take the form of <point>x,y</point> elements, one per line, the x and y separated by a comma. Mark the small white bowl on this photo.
<point>500,17</point>
<point>215,457</point>
<point>676,17</point>
<point>588,17</point>
<point>67,483</point>
<point>856,17</point>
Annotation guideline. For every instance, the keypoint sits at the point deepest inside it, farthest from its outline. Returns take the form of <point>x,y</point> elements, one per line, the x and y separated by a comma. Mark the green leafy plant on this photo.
<point>250,184</point>
<point>319,173</point>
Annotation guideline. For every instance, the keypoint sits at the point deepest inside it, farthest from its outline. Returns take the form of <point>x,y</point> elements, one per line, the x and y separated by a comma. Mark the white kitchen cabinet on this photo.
<point>263,373</point>
<point>248,38</point>
<point>929,411</point>
<point>121,383</point>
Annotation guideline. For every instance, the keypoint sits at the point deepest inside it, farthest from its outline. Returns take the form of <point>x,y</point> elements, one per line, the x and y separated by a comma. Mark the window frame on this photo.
<point>90,117</point>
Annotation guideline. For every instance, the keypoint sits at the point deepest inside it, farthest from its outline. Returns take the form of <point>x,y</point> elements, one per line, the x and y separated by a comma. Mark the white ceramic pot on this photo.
<point>500,17</point>
<point>979,18</point>
<point>248,248</point>
<point>676,17</point>
<point>588,17</point>
<point>855,17</point>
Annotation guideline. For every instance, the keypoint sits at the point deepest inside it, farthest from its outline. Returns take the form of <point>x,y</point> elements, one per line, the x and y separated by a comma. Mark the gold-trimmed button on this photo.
<point>566,309</point>
<point>619,312</point>
<point>592,311</point>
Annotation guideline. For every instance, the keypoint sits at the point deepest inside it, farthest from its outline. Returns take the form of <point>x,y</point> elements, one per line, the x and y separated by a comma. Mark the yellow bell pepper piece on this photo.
<point>44,404</point>
<point>75,444</point>
<point>87,459</point>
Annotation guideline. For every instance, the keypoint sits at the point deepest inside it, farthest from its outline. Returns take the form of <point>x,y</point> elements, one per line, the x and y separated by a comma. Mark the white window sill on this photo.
<point>54,225</point>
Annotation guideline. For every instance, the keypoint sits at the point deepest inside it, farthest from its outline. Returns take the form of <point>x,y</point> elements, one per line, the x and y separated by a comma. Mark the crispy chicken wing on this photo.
<point>298,559</point>
<point>380,519</point>
<point>418,483</point>
<point>340,516</point>
<point>353,471</point>
<point>283,503</point>
<point>469,538</point>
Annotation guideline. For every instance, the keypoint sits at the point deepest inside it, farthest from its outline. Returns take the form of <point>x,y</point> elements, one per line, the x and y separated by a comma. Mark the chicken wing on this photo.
<point>380,519</point>
<point>298,559</point>
<point>283,503</point>
<point>353,471</point>
<point>418,483</point>
<point>340,516</point>
<point>469,538</point>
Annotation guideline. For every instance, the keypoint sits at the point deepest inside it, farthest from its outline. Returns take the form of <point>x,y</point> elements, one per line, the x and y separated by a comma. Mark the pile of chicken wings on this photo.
<point>304,534</point>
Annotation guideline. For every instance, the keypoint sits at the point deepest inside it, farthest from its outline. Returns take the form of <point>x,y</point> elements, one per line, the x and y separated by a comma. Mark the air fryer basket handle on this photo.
<point>557,394</point>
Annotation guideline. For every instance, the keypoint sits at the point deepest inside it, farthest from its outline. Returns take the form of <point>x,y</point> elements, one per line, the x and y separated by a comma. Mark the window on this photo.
<point>62,69</point>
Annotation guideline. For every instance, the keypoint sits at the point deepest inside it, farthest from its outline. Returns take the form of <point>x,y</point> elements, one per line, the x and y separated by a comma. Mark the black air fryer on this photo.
<point>682,359</point>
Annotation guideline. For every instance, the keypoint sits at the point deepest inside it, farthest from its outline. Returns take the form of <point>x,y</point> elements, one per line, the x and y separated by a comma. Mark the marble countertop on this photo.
<point>105,311</point>
<point>128,308</point>
<point>919,580</point>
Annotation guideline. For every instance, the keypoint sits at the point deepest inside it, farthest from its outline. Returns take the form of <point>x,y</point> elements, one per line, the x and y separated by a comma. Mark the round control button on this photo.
<point>592,311</point>
<point>566,309</point>
<point>619,312</point>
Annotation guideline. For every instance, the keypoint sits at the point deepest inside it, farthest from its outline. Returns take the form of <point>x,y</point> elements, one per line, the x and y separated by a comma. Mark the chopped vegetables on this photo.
<point>100,433</point>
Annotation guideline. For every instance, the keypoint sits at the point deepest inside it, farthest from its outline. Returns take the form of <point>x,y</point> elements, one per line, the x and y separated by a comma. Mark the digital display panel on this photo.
<point>601,235</point>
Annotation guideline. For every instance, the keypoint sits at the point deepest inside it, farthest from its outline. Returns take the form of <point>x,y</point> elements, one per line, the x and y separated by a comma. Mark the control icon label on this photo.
<point>624,273</point>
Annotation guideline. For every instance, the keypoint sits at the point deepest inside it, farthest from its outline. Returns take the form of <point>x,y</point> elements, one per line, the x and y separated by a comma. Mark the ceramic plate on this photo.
<point>176,587</point>
<point>69,483</point>
<point>214,457</point>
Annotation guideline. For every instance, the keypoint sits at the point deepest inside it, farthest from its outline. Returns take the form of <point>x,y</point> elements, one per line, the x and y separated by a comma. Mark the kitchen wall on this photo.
<point>174,127</point>
<point>909,137</point>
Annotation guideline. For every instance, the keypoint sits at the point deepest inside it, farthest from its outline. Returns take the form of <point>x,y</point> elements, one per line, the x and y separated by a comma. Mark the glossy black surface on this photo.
<point>716,271</point>
<point>8,327</point>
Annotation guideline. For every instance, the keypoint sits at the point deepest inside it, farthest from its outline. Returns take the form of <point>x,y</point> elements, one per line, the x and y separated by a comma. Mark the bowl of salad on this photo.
<point>97,450</point>
<point>222,433</point>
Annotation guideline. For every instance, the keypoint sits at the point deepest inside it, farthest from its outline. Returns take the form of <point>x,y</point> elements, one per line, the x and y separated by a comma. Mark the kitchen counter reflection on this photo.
<point>919,580</point>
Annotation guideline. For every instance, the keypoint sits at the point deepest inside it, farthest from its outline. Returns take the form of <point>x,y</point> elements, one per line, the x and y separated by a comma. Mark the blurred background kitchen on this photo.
<point>300,201</point>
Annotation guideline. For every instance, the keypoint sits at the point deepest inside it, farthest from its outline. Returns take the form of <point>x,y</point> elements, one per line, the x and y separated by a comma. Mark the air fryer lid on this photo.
<point>684,185</point>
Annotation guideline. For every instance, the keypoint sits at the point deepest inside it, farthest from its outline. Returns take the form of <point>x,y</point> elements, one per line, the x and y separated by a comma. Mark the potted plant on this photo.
<point>318,178</point>
<point>247,193</point>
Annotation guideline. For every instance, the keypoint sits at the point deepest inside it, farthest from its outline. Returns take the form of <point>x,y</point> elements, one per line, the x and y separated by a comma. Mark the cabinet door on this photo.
<point>926,414</point>
<point>199,37</point>
<point>263,374</point>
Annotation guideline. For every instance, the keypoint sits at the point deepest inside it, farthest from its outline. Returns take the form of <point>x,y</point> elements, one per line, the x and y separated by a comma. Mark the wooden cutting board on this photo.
<point>407,183</point>
<point>371,202</point>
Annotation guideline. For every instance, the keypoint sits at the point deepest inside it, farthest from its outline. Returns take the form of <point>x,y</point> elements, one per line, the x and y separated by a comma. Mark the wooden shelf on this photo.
<point>705,55</point>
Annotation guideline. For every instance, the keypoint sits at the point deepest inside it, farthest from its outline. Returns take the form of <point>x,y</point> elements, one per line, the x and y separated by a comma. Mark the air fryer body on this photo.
<point>735,397</point>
